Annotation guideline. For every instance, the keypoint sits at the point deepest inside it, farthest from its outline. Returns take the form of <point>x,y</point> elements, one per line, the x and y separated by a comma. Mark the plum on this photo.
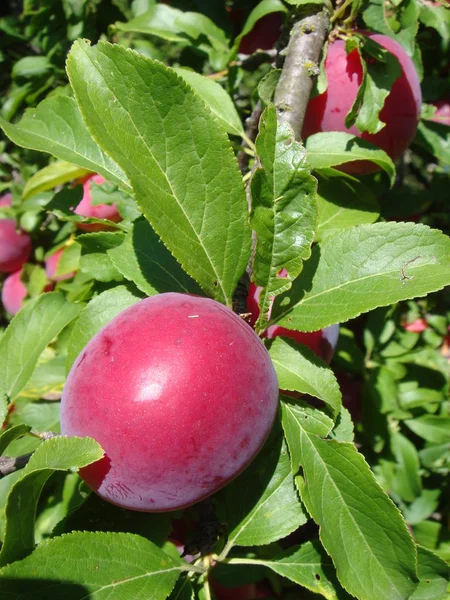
<point>13,293</point>
<point>15,247</point>
<point>263,35</point>
<point>442,114</point>
<point>181,394</point>
<point>100,211</point>
<point>400,113</point>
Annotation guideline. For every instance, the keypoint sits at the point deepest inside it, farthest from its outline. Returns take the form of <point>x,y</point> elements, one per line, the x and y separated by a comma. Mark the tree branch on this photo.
<point>301,65</point>
<point>10,464</point>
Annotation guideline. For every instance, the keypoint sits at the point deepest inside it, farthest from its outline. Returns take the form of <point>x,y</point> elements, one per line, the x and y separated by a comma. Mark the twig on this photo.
<point>300,67</point>
<point>9,464</point>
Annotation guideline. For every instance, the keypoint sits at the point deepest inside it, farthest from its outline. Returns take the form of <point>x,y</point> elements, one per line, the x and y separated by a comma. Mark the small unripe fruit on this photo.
<point>99,211</point>
<point>15,247</point>
<point>180,393</point>
<point>400,113</point>
<point>13,293</point>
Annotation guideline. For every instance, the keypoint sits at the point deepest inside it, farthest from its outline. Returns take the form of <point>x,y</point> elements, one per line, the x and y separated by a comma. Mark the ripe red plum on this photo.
<point>13,293</point>
<point>181,394</point>
<point>263,35</point>
<point>15,247</point>
<point>400,113</point>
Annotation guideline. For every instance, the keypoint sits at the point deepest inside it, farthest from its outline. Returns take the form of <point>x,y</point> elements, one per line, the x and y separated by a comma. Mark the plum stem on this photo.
<point>301,65</point>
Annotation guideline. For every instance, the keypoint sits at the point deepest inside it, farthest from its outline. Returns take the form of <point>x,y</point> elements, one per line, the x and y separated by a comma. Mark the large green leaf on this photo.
<point>343,202</point>
<point>55,126</point>
<point>28,334</point>
<point>360,527</point>
<point>329,149</point>
<point>104,566</point>
<point>96,315</point>
<point>308,566</point>
<point>262,504</point>
<point>361,268</point>
<point>300,370</point>
<point>284,210</point>
<point>56,454</point>
<point>176,156</point>
<point>145,261</point>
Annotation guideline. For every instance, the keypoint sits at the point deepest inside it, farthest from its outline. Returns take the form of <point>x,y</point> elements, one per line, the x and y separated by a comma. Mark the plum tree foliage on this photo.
<point>224,260</point>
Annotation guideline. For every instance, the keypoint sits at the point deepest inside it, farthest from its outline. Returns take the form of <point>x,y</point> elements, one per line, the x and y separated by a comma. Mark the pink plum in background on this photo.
<point>181,394</point>
<point>99,211</point>
<point>15,247</point>
<point>6,200</point>
<point>13,293</point>
<point>51,267</point>
<point>442,114</point>
<point>326,112</point>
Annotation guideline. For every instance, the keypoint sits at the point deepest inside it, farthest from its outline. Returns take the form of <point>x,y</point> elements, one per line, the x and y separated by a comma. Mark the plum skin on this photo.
<point>181,394</point>
<point>13,293</point>
<point>400,112</point>
<point>15,248</point>
<point>100,211</point>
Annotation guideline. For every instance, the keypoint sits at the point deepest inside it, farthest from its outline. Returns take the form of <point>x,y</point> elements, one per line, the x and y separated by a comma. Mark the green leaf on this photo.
<point>146,262</point>
<point>215,98</point>
<point>344,430</point>
<point>438,17</point>
<point>361,268</point>
<point>343,202</point>
<point>435,138</point>
<point>434,574</point>
<point>401,24</point>
<point>56,173</point>
<point>299,369</point>
<point>284,210</point>
<point>32,67</point>
<point>360,527</point>
<point>298,416</point>
<point>337,148</point>
<point>433,428</point>
<point>189,28</point>
<point>28,334</point>
<point>407,482</point>
<point>308,566</point>
<point>55,126</point>
<point>380,70</point>
<point>262,503</point>
<point>100,310</point>
<point>170,147</point>
<point>95,261</point>
<point>107,566</point>
<point>11,434</point>
<point>423,507</point>
<point>56,454</point>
